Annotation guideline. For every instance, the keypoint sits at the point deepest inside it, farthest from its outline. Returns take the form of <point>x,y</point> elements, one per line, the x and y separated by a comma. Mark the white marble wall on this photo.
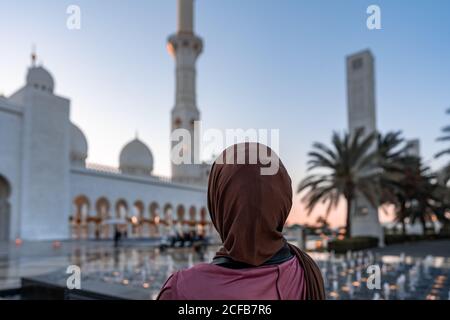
<point>11,135</point>
<point>45,164</point>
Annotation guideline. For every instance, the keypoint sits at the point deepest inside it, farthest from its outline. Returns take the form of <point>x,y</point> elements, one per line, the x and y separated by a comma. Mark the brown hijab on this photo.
<point>249,208</point>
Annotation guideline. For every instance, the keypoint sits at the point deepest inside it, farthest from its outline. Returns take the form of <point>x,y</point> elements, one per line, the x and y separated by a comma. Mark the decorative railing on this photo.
<point>102,168</point>
<point>114,170</point>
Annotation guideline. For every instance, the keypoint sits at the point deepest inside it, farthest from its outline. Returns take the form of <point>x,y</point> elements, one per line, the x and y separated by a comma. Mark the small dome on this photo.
<point>78,145</point>
<point>136,158</point>
<point>39,78</point>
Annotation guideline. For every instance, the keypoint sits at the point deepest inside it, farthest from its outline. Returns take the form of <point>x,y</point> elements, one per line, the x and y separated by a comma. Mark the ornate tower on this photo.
<point>362,115</point>
<point>45,164</point>
<point>185,47</point>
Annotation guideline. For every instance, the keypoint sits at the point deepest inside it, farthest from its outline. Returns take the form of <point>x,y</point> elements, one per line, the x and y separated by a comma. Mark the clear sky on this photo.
<point>267,64</point>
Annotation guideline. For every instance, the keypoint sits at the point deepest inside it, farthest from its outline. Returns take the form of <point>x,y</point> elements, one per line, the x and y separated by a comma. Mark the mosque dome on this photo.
<point>39,78</point>
<point>78,145</point>
<point>136,158</point>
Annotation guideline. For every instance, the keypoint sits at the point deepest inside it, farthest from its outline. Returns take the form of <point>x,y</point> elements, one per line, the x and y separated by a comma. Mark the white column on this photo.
<point>185,16</point>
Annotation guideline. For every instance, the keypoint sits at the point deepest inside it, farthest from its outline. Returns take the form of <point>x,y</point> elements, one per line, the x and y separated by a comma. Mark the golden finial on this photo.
<point>33,55</point>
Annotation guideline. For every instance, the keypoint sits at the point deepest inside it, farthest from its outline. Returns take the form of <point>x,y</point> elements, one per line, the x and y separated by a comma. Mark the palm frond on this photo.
<point>443,152</point>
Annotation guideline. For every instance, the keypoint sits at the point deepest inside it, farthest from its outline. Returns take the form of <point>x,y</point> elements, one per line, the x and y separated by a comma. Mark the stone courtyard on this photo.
<point>137,269</point>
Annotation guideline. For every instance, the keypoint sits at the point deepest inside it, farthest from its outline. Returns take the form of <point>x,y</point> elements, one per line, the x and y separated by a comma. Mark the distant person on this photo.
<point>256,262</point>
<point>117,235</point>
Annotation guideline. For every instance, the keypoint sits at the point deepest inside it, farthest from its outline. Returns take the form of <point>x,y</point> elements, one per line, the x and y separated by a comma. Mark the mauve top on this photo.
<point>205,281</point>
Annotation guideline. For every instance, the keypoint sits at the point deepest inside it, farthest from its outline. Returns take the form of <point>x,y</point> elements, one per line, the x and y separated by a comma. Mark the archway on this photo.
<point>5,209</point>
<point>80,217</point>
<point>203,213</point>
<point>102,206</point>
<point>137,219</point>
<point>192,218</point>
<point>154,219</point>
<point>180,219</point>
<point>154,211</point>
<point>180,213</point>
<point>121,209</point>
<point>122,214</point>
<point>167,212</point>
<point>203,223</point>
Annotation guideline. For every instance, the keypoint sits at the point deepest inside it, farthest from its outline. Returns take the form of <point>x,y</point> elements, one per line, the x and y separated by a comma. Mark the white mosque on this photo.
<point>49,191</point>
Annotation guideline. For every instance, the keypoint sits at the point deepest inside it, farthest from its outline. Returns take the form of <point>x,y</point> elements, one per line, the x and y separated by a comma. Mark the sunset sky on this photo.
<point>270,64</point>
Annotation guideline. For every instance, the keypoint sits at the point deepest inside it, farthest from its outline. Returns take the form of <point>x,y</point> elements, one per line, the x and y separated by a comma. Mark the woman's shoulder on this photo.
<point>194,271</point>
<point>174,286</point>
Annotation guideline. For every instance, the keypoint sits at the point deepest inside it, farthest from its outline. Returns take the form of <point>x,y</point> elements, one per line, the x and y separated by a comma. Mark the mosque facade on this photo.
<point>49,191</point>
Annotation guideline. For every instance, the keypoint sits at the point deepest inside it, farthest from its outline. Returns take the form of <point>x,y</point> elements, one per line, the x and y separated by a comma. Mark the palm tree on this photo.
<point>346,169</point>
<point>416,198</point>
<point>391,150</point>
<point>390,147</point>
<point>445,137</point>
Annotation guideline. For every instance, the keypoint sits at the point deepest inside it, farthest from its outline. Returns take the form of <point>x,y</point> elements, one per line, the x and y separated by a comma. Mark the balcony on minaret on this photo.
<point>184,42</point>
<point>185,39</point>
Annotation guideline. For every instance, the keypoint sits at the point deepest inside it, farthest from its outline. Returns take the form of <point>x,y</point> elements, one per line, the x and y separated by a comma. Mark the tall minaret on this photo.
<point>185,47</point>
<point>362,115</point>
